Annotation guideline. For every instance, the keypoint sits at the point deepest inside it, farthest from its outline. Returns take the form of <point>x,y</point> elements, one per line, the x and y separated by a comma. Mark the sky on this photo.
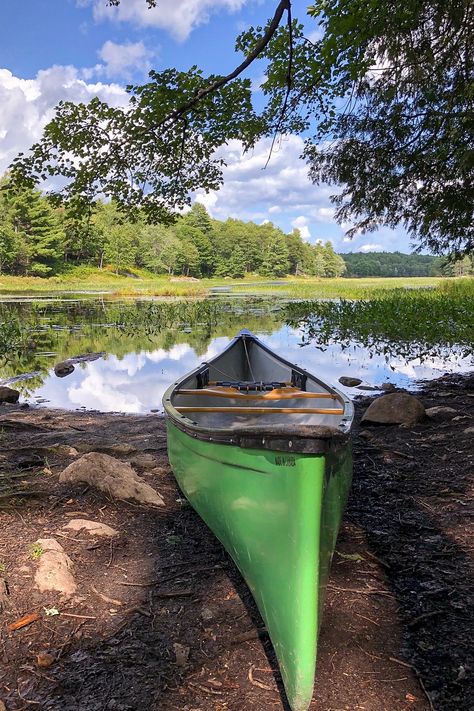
<point>51,50</point>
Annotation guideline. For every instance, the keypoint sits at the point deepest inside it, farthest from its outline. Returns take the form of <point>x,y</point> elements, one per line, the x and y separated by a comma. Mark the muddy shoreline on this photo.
<point>161,619</point>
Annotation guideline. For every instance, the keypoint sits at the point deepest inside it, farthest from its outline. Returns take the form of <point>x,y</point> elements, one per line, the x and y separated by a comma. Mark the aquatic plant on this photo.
<point>412,323</point>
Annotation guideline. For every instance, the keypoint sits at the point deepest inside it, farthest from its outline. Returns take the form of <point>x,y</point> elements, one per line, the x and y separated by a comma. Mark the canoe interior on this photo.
<point>248,361</point>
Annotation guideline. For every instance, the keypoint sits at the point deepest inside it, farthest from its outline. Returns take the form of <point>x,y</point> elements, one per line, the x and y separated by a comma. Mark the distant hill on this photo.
<point>390,264</point>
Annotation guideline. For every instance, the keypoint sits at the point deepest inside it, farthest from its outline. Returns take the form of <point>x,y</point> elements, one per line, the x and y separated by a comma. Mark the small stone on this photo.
<point>8,394</point>
<point>143,461</point>
<point>54,568</point>
<point>366,434</point>
<point>93,527</point>
<point>349,382</point>
<point>62,369</point>
<point>387,387</point>
<point>45,659</point>
<point>441,413</point>
<point>116,478</point>
<point>64,450</point>
<point>367,387</point>
<point>207,614</point>
<point>120,450</point>
<point>394,409</point>
<point>182,654</point>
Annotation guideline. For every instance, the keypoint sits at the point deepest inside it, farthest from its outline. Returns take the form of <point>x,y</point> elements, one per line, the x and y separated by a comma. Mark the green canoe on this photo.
<point>261,450</point>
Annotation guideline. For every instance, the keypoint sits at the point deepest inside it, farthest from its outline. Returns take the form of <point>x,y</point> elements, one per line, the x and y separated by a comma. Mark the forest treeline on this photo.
<point>38,239</point>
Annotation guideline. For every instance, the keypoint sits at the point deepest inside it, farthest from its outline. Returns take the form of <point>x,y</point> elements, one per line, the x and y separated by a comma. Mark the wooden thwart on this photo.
<point>265,410</point>
<point>288,393</point>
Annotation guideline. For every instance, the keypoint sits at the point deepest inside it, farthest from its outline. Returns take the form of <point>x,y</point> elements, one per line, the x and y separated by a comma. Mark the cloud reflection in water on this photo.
<point>136,382</point>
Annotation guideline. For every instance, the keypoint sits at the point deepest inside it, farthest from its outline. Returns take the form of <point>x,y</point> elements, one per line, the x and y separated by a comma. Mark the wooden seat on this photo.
<point>286,393</point>
<point>264,410</point>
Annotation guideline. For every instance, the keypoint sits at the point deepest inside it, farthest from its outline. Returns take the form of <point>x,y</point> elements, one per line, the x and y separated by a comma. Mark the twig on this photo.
<point>257,683</point>
<point>249,636</point>
<point>79,617</point>
<point>105,598</point>
<point>369,591</point>
<point>425,616</point>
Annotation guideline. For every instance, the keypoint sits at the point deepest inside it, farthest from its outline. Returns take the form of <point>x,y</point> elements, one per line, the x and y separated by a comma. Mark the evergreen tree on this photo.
<point>236,265</point>
<point>199,218</point>
<point>275,257</point>
<point>295,245</point>
<point>319,262</point>
<point>334,265</point>
<point>37,231</point>
<point>202,244</point>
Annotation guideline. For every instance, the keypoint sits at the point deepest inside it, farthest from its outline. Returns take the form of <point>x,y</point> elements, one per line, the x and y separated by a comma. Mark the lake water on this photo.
<point>150,343</point>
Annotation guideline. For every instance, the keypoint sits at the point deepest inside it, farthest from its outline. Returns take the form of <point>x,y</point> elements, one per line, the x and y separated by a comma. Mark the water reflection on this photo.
<point>135,382</point>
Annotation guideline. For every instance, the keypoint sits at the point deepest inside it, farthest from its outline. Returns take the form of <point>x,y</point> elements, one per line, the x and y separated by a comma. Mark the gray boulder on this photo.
<point>64,368</point>
<point>395,409</point>
<point>8,394</point>
<point>349,382</point>
<point>116,478</point>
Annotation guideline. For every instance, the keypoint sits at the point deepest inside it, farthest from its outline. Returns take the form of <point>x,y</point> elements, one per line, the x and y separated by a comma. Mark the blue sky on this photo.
<point>76,49</point>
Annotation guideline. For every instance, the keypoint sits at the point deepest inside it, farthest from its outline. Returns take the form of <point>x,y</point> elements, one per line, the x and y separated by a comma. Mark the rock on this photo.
<point>349,382</point>
<point>8,394</point>
<point>54,568</point>
<point>441,413</point>
<point>45,659</point>
<point>160,471</point>
<point>116,478</point>
<point>367,387</point>
<point>144,461</point>
<point>469,431</point>
<point>64,450</point>
<point>388,387</point>
<point>121,450</point>
<point>93,527</point>
<point>64,368</point>
<point>366,434</point>
<point>394,409</point>
<point>182,654</point>
<point>207,614</point>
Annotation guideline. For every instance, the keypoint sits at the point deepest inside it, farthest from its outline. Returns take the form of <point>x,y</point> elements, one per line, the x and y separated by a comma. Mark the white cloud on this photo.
<point>301,224</point>
<point>28,104</point>
<point>121,60</point>
<point>371,248</point>
<point>178,17</point>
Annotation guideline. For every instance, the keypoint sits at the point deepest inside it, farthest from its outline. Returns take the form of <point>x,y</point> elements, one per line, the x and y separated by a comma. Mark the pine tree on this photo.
<point>199,218</point>
<point>275,256</point>
<point>38,233</point>
<point>334,265</point>
<point>236,264</point>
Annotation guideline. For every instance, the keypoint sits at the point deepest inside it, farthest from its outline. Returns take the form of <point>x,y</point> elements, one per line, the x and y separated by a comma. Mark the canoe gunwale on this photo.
<point>305,439</point>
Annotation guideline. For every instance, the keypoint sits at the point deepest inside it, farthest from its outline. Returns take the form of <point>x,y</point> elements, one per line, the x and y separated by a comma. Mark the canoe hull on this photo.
<point>277,514</point>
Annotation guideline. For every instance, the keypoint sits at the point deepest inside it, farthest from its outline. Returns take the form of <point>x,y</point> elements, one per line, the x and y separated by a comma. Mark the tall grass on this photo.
<point>410,323</point>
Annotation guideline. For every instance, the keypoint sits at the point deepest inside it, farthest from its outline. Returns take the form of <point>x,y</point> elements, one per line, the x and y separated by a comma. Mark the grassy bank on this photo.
<point>144,283</point>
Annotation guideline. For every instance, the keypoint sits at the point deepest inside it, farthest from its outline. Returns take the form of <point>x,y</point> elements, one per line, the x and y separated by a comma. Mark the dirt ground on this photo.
<point>162,621</point>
